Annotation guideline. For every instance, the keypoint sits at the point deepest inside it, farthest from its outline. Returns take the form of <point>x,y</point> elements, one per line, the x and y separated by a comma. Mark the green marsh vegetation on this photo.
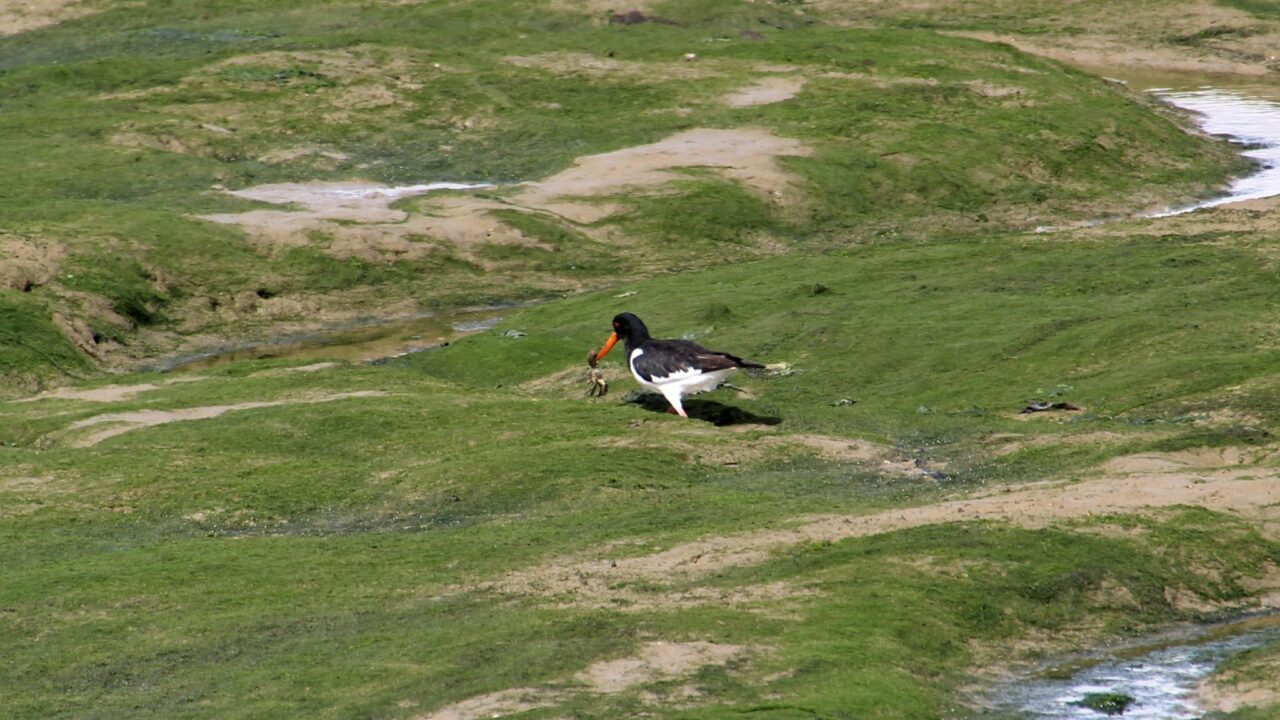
<point>266,539</point>
<point>118,127</point>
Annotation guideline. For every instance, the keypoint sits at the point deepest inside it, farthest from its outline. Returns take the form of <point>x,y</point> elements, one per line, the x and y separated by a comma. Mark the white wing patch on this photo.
<point>681,382</point>
<point>677,376</point>
<point>687,382</point>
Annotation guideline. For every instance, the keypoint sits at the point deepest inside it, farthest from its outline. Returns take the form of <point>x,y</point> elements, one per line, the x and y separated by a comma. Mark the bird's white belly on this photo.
<point>683,382</point>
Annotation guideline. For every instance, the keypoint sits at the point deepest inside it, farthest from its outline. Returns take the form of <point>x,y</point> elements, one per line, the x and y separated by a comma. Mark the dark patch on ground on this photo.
<point>710,411</point>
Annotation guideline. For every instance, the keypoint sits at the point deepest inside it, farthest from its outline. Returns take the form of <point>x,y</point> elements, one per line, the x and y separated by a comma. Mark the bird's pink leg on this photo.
<point>673,398</point>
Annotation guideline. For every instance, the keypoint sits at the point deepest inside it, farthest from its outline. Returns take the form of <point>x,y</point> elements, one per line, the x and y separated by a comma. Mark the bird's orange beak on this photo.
<point>608,345</point>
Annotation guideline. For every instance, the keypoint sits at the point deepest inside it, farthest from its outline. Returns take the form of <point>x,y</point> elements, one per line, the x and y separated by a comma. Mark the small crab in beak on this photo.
<point>597,386</point>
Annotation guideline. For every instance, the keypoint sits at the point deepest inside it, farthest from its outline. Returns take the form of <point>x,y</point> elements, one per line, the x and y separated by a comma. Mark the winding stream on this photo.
<point>1161,679</point>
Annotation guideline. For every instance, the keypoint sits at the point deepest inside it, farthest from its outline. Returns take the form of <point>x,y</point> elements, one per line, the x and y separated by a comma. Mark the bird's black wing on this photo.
<point>663,358</point>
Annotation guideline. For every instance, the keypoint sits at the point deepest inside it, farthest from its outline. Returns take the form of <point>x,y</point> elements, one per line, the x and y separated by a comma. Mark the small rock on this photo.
<point>689,57</point>
<point>1110,703</point>
<point>780,369</point>
<point>631,17</point>
<point>1043,406</point>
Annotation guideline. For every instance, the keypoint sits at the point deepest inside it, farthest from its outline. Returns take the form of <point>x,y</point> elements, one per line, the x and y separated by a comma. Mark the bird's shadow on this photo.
<point>710,411</point>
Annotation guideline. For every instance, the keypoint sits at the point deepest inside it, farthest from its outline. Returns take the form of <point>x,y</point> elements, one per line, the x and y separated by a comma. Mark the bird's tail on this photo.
<point>744,363</point>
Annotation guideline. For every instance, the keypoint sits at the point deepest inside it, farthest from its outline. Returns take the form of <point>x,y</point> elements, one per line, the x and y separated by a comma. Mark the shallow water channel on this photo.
<point>353,342</point>
<point>1160,676</point>
<point>1246,115</point>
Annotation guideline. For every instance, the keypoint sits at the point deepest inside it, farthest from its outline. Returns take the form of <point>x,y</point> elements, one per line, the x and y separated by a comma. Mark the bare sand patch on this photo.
<point>496,704</point>
<point>27,263</point>
<point>710,446</point>
<point>359,221</point>
<point>19,16</point>
<point>747,155</point>
<point>986,89</point>
<point>656,661</point>
<point>833,448</point>
<point>1193,458</point>
<point>314,367</point>
<point>1222,697</point>
<point>1192,36</point>
<point>42,486</point>
<point>1102,53</point>
<point>601,8</point>
<point>1223,693</point>
<point>288,154</point>
<point>128,421</point>
<point>1012,442</point>
<point>695,450</point>
<point>572,382</point>
<point>107,393</point>
<point>766,91</point>
<point>569,63</point>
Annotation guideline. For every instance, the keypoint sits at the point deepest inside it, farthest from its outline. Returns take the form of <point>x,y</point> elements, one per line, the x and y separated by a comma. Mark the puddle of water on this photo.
<point>1247,118</point>
<point>324,193</point>
<point>355,343</point>
<point>350,200</point>
<point>1162,682</point>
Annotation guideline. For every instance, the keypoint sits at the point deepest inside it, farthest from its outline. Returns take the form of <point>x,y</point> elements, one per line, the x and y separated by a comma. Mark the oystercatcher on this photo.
<point>672,367</point>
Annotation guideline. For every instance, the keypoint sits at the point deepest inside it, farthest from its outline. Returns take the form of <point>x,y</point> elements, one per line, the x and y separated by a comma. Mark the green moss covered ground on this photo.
<point>405,539</point>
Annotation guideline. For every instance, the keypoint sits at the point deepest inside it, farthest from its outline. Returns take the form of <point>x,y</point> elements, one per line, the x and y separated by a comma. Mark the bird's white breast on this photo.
<point>631,363</point>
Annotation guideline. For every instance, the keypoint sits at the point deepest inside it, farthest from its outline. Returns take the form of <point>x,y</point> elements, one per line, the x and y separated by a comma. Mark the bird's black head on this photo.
<point>630,328</point>
<point>626,327</point>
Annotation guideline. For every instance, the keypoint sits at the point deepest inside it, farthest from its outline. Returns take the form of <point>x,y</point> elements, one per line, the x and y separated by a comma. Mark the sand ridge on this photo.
<point>106,393</point>
<point>766,91</point>
<point>124,422</point>
<point>601,581</point>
